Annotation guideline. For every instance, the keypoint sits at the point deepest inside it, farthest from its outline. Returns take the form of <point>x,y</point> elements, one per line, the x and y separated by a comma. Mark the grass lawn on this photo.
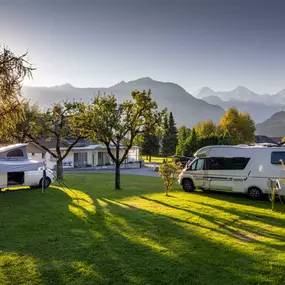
<point>95,235</point>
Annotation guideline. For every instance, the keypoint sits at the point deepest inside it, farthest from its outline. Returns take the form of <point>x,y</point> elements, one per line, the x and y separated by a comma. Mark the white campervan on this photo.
<point>242,169</point>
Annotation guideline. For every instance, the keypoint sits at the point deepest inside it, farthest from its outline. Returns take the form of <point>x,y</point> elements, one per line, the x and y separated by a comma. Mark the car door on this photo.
<point>199,172</point>
<point>219,175</point>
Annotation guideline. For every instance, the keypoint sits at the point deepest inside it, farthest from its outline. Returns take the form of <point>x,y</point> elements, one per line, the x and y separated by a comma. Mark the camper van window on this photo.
<point>200,164</point>
<point>15,153</point>
<point>222,163</point>
<point>239,163</point>
<point>276,156</point>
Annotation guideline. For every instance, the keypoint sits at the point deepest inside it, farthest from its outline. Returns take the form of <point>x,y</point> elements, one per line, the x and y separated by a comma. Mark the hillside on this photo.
<point>259,111</point>
<point>274,126</point>
<point>187,109</point>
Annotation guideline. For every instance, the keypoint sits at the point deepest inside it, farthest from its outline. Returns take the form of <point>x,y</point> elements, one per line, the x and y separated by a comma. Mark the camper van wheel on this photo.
<point>47,182</point>
<point>254,193</point>
<point>188,185</point>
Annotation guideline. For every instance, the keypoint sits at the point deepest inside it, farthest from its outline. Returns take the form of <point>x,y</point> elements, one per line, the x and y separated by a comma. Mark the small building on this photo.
<point>83,154</point>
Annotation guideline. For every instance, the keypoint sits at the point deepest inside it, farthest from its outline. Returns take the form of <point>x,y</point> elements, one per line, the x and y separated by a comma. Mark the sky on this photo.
<point>194,43</point>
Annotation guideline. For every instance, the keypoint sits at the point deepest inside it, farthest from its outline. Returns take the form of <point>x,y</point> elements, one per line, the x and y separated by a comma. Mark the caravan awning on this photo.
<point>19,165</point>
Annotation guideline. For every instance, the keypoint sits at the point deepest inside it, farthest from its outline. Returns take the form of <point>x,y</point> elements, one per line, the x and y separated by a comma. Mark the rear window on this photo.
<point>276,156</point>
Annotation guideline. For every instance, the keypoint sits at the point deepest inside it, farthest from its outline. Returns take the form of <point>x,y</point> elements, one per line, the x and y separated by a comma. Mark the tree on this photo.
<point>172,134</point>
<point>169,140</point>
<point>165,151</point>
<point>169,173</point>
<point>55,123</point>
<point>183,134</point>
<point>117,125</point>
<point>13,70</point>
<point>150,145</point>
<point>239,125</point>
<point>206,128</point>
<point>191,143</point>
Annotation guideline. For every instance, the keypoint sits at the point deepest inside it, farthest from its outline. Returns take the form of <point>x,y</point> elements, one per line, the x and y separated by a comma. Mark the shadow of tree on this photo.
<point>102,239</point>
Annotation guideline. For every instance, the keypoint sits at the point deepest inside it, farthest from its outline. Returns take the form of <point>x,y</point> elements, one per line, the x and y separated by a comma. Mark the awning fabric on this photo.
<point>19,165</point>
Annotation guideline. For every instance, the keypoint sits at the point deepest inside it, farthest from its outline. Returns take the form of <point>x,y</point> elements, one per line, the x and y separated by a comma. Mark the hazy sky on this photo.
<point>215,43</point>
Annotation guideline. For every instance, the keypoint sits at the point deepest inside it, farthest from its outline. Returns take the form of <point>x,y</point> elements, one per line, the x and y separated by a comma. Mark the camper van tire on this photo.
<point>47,182</point>
<point>254,193</point>
<point>188,185</point>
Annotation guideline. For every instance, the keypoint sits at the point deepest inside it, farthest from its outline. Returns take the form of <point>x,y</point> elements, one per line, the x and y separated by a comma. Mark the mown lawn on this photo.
<point>95,235</point>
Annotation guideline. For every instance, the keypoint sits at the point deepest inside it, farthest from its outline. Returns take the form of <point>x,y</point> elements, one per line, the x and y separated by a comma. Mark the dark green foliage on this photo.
<point>169,140</point>
<point>183,134</point>
<point>150,145</point>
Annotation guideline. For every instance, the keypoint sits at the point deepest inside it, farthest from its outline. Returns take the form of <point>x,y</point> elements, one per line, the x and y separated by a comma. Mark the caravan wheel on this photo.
<point>254,193</point>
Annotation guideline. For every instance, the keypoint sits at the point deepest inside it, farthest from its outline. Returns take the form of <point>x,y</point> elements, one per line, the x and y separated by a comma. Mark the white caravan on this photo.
<point>16,169</point>
<point>243,169</point>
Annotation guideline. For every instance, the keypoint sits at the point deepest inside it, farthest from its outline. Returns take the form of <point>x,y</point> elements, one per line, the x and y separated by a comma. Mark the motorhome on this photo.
<point>16,169</point>
<point>244,169</point>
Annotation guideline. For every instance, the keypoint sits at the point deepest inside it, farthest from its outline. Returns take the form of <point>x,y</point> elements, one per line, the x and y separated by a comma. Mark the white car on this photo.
<point>33,179</point>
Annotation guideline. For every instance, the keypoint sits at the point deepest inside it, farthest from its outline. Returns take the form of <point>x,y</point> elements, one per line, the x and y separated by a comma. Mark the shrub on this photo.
<point>169,173</point>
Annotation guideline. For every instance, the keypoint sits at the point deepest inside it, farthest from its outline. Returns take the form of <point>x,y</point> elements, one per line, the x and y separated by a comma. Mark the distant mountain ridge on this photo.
<point>242,93</point>
<point>274,126</point>
<point>187,109</point>
<point>260,107</point>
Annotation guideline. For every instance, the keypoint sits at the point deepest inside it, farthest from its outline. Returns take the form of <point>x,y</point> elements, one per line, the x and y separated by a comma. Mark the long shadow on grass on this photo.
<point>236,227</point>
<point>242,199</point>
<point>116,244</point>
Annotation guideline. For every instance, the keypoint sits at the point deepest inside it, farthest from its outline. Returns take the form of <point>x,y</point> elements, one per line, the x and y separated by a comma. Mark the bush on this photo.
<point>169,173</point>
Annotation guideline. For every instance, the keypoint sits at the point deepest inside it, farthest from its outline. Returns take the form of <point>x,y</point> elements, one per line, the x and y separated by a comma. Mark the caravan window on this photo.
<point>229,163</point>
<point>276,156</point>
<point>15,153</point>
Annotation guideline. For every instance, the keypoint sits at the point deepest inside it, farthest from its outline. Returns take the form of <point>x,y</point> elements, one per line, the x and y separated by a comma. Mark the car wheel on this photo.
<point>188,185</point>
<point>46,182</point>
<point>254,193</point>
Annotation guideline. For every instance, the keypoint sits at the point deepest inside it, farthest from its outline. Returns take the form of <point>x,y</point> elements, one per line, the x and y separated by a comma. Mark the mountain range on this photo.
<point>259,106</point>
<point>273,127</point>
<point>187,110</point>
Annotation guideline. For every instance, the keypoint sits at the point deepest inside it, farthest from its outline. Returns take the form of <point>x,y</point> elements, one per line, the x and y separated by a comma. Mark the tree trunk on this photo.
<point>117,177</point>
<point>59,170</point>
<point>149,158</point>
<point>166,191</point>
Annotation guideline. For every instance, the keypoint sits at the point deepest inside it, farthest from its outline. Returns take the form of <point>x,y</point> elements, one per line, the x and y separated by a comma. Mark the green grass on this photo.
<point>95,235</point>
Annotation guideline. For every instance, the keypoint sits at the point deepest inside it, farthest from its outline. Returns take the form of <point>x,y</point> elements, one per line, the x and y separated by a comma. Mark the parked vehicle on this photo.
<point>241,169</point>
<point>16,169</point>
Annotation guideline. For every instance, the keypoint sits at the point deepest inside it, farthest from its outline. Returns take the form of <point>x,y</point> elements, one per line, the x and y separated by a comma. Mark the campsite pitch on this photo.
<point>91,234</point>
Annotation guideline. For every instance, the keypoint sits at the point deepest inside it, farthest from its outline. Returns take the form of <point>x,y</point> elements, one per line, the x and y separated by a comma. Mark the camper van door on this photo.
<point>218,174</point>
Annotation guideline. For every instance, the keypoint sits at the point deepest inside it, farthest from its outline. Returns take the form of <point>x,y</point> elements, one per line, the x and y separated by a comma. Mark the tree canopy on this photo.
<point>56,123</point>
<point>116,125</point>
<point>239,125</point>
<point>206,128</point>
<point>13,70</point>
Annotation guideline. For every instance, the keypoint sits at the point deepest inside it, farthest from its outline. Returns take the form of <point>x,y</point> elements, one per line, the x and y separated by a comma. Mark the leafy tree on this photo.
<point>239,125</point>
<point>169,173</point>
<point>206,128</point>
<point>172,133</point>
<point>191,143</point>
<point>169,141</point>
<point>13,70</point>
<point>150,145</point>
<point>55,123</point>
<point>165,151</point>
<point>183,134</point>
<point>117,125</point>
